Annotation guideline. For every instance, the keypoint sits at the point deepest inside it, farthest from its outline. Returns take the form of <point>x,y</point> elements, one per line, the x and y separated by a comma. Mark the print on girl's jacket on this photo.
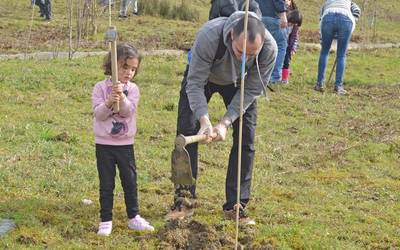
<point>119,128</point>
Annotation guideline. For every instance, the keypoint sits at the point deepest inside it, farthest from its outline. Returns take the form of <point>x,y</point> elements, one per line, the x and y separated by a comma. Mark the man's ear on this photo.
<point>232,34</point>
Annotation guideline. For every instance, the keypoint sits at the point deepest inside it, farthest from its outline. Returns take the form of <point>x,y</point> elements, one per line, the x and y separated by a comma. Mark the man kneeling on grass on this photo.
<point>215,66</point>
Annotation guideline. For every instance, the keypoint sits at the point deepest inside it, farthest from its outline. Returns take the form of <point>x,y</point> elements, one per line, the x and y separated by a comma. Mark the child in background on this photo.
<point>114,137</point>
<point>295,20</point>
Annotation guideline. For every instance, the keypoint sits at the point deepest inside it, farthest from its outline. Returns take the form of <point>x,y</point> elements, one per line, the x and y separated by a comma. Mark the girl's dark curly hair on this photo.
<point>295,17</point>
<point>124,51</point>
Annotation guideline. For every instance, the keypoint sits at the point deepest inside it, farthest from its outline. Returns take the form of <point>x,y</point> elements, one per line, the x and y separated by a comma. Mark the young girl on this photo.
<point>295,20</point>
<point>114,135</point>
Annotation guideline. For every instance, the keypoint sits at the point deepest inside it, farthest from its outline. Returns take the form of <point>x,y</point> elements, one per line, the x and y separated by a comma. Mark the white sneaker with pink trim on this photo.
<point>105,228</point>
<point>138,223</point>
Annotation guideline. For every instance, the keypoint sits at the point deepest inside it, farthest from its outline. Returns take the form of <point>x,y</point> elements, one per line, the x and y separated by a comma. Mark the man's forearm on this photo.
<point>283,18</point>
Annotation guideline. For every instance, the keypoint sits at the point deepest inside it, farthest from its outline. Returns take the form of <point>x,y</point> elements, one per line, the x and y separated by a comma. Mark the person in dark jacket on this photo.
<point>274,19</point>
<point>44,7</point>
<point>207,74</point>
<point>220,8</point>
<point>47,10</point>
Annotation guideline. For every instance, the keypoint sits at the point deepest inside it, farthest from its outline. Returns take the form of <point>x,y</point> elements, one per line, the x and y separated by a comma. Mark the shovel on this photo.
<point>181,170</point>
<point>111,37</point>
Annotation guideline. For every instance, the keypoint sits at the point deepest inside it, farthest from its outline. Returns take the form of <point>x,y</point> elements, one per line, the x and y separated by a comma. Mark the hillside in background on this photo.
<point>159,26</point>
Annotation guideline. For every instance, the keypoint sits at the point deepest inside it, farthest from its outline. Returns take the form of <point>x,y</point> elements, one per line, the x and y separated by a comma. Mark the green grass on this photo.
<point>169,9</point>
<point>326,169</point>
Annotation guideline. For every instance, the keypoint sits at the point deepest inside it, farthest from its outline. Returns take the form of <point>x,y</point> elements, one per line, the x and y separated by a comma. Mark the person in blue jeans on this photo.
<point>337,21</point>
<point>274,18</point>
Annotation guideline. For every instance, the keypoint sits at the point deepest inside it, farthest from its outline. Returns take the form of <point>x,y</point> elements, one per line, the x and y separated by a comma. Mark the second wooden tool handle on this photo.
<point>194,138</point>
<point>181,140</point>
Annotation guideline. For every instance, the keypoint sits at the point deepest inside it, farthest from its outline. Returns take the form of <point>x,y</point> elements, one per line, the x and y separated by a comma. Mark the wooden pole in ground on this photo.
<point>238,205</point>
<point>70,29</point>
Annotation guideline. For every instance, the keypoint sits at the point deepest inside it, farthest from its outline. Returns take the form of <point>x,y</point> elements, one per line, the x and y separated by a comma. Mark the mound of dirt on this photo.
<point>192,235</point>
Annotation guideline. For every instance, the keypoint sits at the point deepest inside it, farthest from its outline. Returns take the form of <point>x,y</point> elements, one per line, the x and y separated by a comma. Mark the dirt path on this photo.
<point>171,52</point>
<point>354,46</point>
<point>63,54</point>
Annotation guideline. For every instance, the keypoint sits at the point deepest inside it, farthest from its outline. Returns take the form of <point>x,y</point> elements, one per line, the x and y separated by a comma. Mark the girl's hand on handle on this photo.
<point>109,102</point>
<point>117,92</point>
<point>118,88</point>
<point>112,99</point>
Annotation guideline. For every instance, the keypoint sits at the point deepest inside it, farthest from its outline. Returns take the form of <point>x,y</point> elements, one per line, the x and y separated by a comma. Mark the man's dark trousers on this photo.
<point>187,125</point>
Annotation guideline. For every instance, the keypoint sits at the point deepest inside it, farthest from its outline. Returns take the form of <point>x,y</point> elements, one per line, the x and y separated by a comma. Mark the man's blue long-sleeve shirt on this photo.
<point>271,8</point>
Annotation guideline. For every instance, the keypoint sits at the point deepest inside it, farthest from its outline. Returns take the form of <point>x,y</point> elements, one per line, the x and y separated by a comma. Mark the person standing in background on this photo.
<point>123,10</point>
<point>338,20</point>
<point>44,7</point>
<point>47,10</point>
<point>220,8</point>
<point>274,19</point>
<point>295,20</point>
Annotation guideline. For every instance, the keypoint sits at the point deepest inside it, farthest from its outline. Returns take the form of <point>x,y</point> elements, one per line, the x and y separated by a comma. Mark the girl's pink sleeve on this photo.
<point>129,106</point>
<point>100,110</point>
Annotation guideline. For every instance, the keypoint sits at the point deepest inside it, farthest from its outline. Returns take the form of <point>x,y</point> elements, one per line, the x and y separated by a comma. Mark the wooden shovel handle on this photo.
<point>194,138</point>
<point>182,140</point>
<point>111,37</point>
<point>114,69</point>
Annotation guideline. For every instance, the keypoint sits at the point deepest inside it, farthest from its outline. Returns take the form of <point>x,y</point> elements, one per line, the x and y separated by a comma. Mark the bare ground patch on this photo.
<point>192,234</point>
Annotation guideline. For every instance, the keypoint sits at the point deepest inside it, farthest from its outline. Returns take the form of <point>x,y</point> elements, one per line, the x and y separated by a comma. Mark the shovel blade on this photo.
<point>181,170</point>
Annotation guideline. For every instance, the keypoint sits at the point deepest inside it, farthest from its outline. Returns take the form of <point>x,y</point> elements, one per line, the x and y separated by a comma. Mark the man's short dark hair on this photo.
<point>254,27</point>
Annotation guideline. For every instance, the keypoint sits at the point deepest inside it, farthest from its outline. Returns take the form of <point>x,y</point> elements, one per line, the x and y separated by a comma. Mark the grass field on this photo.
<point>326,170</point>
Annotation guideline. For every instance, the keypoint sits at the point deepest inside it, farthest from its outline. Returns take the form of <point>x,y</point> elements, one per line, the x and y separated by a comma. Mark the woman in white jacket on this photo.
<point>338,19</point>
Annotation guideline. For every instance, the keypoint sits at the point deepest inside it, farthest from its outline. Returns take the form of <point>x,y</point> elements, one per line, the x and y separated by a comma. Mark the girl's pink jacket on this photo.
<point>114,128</point>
